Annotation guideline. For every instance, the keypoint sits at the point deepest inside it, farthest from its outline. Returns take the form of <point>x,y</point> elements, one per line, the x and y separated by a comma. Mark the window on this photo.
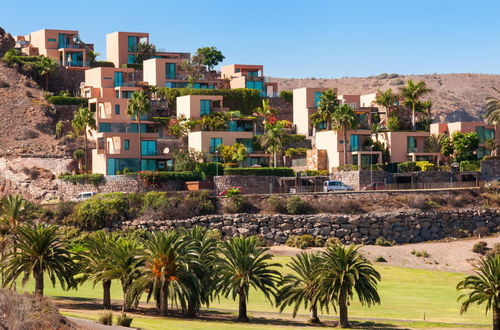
<point>126,144</point>
<point>484,133</point>
<point>149,165</point>
<point>117,109</point>
<point>119,164</point>
<point>240,126</point>
<point>214,144</point>
<point>51,40</point>
<point>248,143</point>
<point>205,107</point>
<point>170,71</point>
<point>127,94</point>
<point>253,73</point>
<point>354,142</point>
<point>237,70</point>
<point>412,144</point>
<point>63,40</point>
<point>132,45</point>
<point>258,85</point>
<point>362,120</point>
<point>118,79</point>
<point>148,148</point>
<point>125,128</point>
<point>317,98</point>
<point>117,94</point>
<point>131,59</point>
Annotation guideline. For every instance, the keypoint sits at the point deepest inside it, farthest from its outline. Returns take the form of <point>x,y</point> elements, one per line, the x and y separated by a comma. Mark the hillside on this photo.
<point>457,96</point>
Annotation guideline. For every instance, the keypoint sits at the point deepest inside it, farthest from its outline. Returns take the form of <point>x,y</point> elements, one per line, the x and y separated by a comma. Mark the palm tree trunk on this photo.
<point>140,142</point>
<point>106,299</point>
<point>124,305</point>
<point>191,310</point>
<point>38,275</point>
<point>46,82</point>
<point>164,299</point>
<point>413,125</point>
<point>242,313</point>
<point>314,319</point>
<point>496,318</point>
<point>345,146</point>
<point>86,150</point>
<point>344,318</point>
<point>275,158</point>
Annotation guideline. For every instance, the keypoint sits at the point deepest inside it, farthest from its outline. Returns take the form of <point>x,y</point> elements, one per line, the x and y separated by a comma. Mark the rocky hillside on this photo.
<point>455,96</point>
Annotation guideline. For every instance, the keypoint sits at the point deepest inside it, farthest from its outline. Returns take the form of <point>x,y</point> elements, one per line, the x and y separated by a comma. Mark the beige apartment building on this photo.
<point>249,76</point>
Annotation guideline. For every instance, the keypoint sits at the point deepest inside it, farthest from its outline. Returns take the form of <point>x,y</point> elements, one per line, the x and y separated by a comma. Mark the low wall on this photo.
<point>490,169</point>
<point>249,184</point>
<point>402,227</point>
<point>359,179</point>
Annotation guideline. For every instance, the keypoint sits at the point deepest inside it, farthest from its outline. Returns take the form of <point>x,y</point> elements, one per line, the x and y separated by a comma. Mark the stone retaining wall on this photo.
<point>490,169</point>
<point>249,184</point>
<point>402,227</point>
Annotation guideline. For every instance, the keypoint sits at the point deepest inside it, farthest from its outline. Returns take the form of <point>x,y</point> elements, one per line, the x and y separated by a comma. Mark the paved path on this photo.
<point>91,325</point>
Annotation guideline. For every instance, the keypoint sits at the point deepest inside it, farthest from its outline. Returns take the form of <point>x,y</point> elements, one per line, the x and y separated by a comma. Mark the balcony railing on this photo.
<point>125,83</point>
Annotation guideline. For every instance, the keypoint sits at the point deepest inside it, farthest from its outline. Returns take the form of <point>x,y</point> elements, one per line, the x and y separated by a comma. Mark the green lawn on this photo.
<point>407,294</point>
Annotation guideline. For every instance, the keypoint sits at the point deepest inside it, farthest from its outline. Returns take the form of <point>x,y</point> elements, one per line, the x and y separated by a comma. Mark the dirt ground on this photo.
<point>452,256</point>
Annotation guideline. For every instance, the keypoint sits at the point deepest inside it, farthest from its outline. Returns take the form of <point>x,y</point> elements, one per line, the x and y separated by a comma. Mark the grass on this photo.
<point>406,294</point>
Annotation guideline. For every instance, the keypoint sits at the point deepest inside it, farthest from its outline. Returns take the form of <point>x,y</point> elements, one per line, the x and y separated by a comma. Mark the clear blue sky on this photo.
<point>308,38</point>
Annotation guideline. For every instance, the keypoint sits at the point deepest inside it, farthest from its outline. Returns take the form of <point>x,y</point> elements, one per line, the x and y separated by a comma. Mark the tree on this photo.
<point>492,146</point>
<point>446,146</point>
<point>39,251</point>
<point>245,264</point>
<point>376,128</point>
<point>233,154</point>
<point>267,112</point>
<point>302,287</point>
<point>272,139</point>
<point>44,67</point>
<point>434,143</point>
<point>217,121</point>
<point>344,119</point>
<point>493,109</point>
<point>412,93</point>
<point>138,106</point>
<point>483,288</point>
<point>464,145</point>
<point>343,271</point>
<point>78,155</point>
<point>92,57</point>
<point>327,106</point>
<point>194,67</point>
<point>84,120</point>
<point>165,263</point>
<point>211,56</point>
<point>95,263</point>
<point>181,126</point>
<point>387,99</point>
<point>144,52</point>
<point>14,208</point>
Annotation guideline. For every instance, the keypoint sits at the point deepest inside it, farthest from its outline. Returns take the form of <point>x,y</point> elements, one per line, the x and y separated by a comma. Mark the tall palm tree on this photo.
<point>302,287</point>
<point>14,208</point>
<point>123,263</point>
<point>493,109</point>
<point>84,120</point>
<point>95,263</point>
<point>327,106</point>
<point>144,51</point>
<point>245,264</point>
<point>40,251</point>
<point>272,140</point>
<point>386,99</point>
<point>139,105</point>
<point>483,288</point>
<point>376,128</point>
<point>344,119</point>
<point>92,56</point>
<point>434,143</point>
<point>342,272</point>
<point>44,67</point>
<point>166,261</point>
<point>412,93</point>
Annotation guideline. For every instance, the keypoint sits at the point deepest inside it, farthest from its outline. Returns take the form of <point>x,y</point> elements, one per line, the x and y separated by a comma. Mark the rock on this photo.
<point>6,41</point>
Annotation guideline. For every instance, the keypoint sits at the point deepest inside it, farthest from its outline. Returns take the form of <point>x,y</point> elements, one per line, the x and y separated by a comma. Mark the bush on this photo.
<point>316,173</point>
<point>426,166</point>
<point>295,152</point>
<point>495,250</point>
<point>392,75</point>
<point>408,167</point>
<point>286,96</point>
<point>161,205</point>
<point>94,179</point>
<point>383,242</point>
<point>106,318</point>
<point>260,171</point>
<point>295,205</point>
<point>491,157</point>
<point>136,66</point>
<point>68,100</point>
<point>470,165</point>
<point>236,203</point>
<point>210,169</point>
<point>100,211</point>
<point>480,247</point>
<point>103,64</point>
<point>303,241</point>
<point>275,204</point>
<point>124,320</point>
<point>155,178</point>
<point>382,76</point>
<point>63,210</point>
<point>332,241</point>
<point>59,129</point>
<point>380,259</point>
<point>347,167</point>
<point>420,254</point>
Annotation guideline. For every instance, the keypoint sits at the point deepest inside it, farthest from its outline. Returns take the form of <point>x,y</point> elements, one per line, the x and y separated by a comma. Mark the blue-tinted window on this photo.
<point>63,40</point>
<point>127,94</point>
<point>149,165</point>
<point>117,109</point>
<point>354,142</point>
<point>253,73</point>
<point>248,143</point>
<point>126,144</point>
<point>205,107</point>
<point>214,144</point>
<point>412,144</point>
<point>118,79</point>
<point>170,72</point>
<point>241,126</point>
<point>131,59</point>
<point>132,44</point>
<point>148,148</point>
<point>317,98</point>
<point>117,94</point>
<point>258,85</point>
<point>125,128</point>
<point>52,40</point>
<point>119,164</point>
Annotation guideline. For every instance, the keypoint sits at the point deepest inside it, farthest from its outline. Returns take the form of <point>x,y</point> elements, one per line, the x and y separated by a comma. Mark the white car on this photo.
<point>332,185</point>
<point>83,196</point>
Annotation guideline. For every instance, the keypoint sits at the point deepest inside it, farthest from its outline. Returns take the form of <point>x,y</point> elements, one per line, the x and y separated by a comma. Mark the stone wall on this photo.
<point>402,227</point>
<point>249,184</point>
<point>358,179</point>
<point>490,169</point>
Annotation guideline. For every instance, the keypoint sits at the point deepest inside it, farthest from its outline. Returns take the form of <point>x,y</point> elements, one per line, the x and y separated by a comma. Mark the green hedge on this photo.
<point>103,64</point>
<point>136,66</point>
<point>242,99</point>
<point>408,167</point>
<point>94,179</point>
<point>263,171</point>
<point>470,165</point>
<point>68,100</point>
<point>210,169</point>
<point>154,178</point>
<point>426,166</point>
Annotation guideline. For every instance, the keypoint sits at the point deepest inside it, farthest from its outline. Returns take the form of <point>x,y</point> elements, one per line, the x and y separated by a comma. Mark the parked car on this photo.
<point>51,200</point>
<point>83,196</point>
<point>332,185</point>
<point>374,186</point>
<point>495,183</point>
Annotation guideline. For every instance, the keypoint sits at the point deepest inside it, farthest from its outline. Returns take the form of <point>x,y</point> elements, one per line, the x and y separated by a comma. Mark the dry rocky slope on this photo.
<point>456,96</point>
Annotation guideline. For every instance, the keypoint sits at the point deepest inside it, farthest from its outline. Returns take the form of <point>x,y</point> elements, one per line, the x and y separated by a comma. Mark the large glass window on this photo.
<point>118,79</point>
<point>258,85</point>
<point>240,126</point>
<point>484,133</point>
<point>362,120</point>
<point>119,164</point>
<point>132,44</point>
<point>253,73</point>
<point>412,144</point>
<point>214,144</point>
<point>75,59</point>
<point>148,148</point>
<point>125,128</point>
<point>117,109</point>
<point>149,165</point>
<point>63,40</point>
<point>248,143</point>
<point>354,142</point>
<point>127,94</point>
<point>205,107</point>
<point>131,59</point>
<point>317,98</point>
<point>170,71</point>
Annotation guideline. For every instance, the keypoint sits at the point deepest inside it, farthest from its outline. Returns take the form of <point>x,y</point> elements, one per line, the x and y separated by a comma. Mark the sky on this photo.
<point>292,39</point>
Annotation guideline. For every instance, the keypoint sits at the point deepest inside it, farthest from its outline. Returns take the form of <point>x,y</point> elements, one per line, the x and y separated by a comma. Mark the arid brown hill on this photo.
<point>457,96</point>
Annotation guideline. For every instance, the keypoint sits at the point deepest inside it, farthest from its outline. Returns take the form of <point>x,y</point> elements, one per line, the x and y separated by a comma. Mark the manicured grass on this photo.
<point>407,294</point>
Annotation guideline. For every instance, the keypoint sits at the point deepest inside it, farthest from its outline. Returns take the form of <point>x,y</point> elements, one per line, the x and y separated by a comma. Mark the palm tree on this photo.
<point>434,143</point>
<point>376,128</point>
<point>14,208</point>
<point>44,67</point>
<point>166,261</point>
<point>272,140</point>
<point>483,288</point>
<point>245,264</point>
<point>342,271</point>
<point>92,56</point>
<point>302,288</point>
<point>84,120</point>
<point>266,111</point>
<point>386,99</point>
<point>213,122</point>
<point>412,93</point>
<point>139,105</point>
<point>327,106</point>
<point>123,263</point>
<point>144,52</point>
<point>95,263</point>
<point>493,109</point>
<point>344,119</point>
<point>39,251</point>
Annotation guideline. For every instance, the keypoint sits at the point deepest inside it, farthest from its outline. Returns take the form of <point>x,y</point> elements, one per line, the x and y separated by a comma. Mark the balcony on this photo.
<point>125,83</point>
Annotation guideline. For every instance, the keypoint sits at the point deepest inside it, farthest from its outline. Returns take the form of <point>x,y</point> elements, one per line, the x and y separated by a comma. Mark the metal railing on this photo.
<point>434,185</point>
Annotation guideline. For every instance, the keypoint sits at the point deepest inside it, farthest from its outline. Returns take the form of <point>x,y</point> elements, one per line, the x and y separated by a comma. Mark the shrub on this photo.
<point>275,204</point>
<point>209,169</point>
<point>426,166</point>
<point>303,241</point>
<point>160,205</point>
<point>295,205</point>
<point>383,242</point>
<point>396,82</point>
<point>59,129</point>
<point>100,211</point>
<point>235,203</point>
<point>408,167</point>
<point>317,173</point>
<point>295,152</point>
<point>491,157</point>
<point>393,123</point>
<point>68,100</point>
<point>347,167</point>
<point>136,66</point>
<point>480,247</point>
<point>124,320</point>
<point>103,64</point>
<point>332,241</point>
<point>155,178</point>
<point>94,179</point>
<point>420,254</point>
<point>495,250</point>
<point>260,171</point>
<point>106,318</point>
<point>286,95</point>
<point>63,210</point>
<point>382,76</point>
<point>470,165</point>
<point>380,259</point>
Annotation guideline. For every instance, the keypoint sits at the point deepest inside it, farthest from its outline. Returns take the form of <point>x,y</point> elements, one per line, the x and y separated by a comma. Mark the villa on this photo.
<point>249,76</point>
